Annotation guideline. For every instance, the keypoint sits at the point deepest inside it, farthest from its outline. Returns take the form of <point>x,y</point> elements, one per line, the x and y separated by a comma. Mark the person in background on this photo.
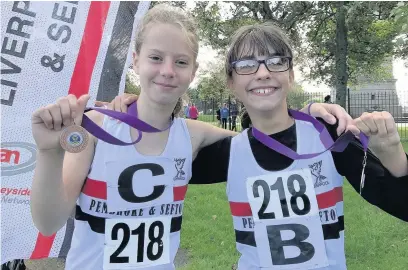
<point>219,116</point>
<point>187,110</point>
<point>224,115</point>
<point>327,99</point>
<point>193,112</point>
<point>245,120</point>
<point>234,114</point>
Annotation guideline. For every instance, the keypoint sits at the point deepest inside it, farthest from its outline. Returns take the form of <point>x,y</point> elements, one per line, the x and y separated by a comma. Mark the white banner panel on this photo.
<point>48,50</point>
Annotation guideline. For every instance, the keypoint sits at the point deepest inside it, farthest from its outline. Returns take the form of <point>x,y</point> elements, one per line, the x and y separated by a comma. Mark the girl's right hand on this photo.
<point>119,103</point>
<point>48,122</point>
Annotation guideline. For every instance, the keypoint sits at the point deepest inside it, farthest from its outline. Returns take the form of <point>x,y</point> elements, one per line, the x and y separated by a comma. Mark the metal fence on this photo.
<point>356,104</point>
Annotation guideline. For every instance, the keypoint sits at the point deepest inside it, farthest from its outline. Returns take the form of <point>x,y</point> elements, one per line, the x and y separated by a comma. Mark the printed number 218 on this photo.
<point>140,232</point>
<point>278,186</point>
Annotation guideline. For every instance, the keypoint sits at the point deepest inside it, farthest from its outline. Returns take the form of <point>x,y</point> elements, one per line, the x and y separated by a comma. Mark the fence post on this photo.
<point>229,112</point>
<point>213,110</point>
<point>348,100</point>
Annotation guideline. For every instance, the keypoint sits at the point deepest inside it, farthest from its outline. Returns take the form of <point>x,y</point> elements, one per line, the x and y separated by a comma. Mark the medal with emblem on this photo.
<point>74,139</point>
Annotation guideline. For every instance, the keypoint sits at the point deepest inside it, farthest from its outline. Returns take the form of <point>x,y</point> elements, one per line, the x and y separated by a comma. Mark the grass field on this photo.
<point>374,240</point>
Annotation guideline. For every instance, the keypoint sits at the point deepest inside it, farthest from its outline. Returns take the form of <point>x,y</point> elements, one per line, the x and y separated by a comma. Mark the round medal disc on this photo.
<point>74,139</point>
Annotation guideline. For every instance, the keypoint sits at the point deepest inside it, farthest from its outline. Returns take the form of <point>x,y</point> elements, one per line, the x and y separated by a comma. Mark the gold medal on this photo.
<point>74,139</point>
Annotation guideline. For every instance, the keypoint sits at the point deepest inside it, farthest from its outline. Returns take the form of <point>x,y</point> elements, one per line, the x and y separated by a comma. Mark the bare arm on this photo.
<point>58,176</point>
<point>204,134</point>
<point>57,182</point>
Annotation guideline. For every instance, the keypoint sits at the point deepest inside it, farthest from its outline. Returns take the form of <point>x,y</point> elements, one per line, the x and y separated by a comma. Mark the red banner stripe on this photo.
<point>43,246</point>
<point>80,81</point>
<point>324,200</point>
<point>89,49</point>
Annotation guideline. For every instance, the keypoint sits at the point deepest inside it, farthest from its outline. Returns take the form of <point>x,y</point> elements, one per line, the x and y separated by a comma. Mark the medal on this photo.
<point>74,139</point>
<point>363,172</point>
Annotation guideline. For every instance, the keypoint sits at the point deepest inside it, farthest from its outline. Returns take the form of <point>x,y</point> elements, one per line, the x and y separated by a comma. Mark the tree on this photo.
<point>297,97</point>
<point>352,42</point>
<point>341,53</point>
<point>180,4</point>
<point>343,39</point>
<point>400,16</point>
<point>130,85</point>
<point>213,85</point>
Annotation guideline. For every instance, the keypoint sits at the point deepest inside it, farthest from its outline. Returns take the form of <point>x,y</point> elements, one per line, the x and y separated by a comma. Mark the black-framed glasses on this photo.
<point>272,64</point>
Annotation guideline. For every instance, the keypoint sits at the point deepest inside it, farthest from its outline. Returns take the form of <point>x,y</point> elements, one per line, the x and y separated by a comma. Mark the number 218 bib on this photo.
<point>136,243</point>
<point>288,231</point>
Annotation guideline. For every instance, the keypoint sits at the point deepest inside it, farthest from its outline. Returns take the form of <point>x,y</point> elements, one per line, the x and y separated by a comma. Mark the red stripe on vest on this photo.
<point>179,193</point>
<point>324,200</point>
<point>98,189</point>
<point>95,188</point>
<point>80,81</point>
<point>240,209</point>
<point>330,198</point>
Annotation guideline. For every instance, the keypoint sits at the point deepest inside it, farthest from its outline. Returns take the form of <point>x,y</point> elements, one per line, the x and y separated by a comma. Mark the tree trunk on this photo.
<point>341,54</point>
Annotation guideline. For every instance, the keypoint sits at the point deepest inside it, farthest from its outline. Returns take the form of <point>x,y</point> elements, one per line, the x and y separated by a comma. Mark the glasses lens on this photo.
<point>246,66</point>
<point>277,63</point>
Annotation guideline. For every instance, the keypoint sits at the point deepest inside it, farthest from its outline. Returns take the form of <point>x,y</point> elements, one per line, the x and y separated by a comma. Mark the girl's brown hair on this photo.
<point>258,39</point>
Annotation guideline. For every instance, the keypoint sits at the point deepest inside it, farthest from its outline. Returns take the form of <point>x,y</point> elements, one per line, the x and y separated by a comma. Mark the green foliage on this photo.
<point>370,31</point>
<point>296,97</point>
<point>131,87</point>
<point>214,84</point>
<point>180,4</point>
<point>369,40</point>
<point>400,16</point>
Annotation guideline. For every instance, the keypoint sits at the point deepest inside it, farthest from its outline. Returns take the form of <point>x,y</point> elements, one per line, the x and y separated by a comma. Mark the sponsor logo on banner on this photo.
<point>17,158</point>
<point>13,195</point>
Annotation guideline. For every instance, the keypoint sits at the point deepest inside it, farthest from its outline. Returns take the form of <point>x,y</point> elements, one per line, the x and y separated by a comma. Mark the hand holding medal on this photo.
<point>385,142</point>
<point>59,125</point>
<point>68,114</point>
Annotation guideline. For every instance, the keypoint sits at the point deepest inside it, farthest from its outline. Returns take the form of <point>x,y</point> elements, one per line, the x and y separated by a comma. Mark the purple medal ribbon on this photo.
<point>129,118</point>
<point>338,146</point>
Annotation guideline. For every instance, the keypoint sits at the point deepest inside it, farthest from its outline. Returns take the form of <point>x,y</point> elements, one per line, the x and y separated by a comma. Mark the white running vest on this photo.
<point>327,186</point>
<point>118,166</point>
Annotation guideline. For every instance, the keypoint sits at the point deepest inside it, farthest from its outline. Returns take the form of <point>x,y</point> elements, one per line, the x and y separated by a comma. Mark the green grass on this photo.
<point>209,118</point>
<point>403,132</point>
<point>207,233</point>
<point>374,239</point>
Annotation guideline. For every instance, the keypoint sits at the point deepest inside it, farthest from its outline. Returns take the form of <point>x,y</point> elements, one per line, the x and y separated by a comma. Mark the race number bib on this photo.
<point>288,231</point>
<point>134,243</point>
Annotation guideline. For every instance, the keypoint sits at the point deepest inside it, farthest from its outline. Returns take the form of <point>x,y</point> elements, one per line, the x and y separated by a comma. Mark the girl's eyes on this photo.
<point>182,62</point>
<point>155,58</point>
<point>159,59</point>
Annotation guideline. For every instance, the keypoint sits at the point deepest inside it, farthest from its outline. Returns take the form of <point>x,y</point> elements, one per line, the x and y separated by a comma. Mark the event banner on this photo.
<point>49,50</point>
